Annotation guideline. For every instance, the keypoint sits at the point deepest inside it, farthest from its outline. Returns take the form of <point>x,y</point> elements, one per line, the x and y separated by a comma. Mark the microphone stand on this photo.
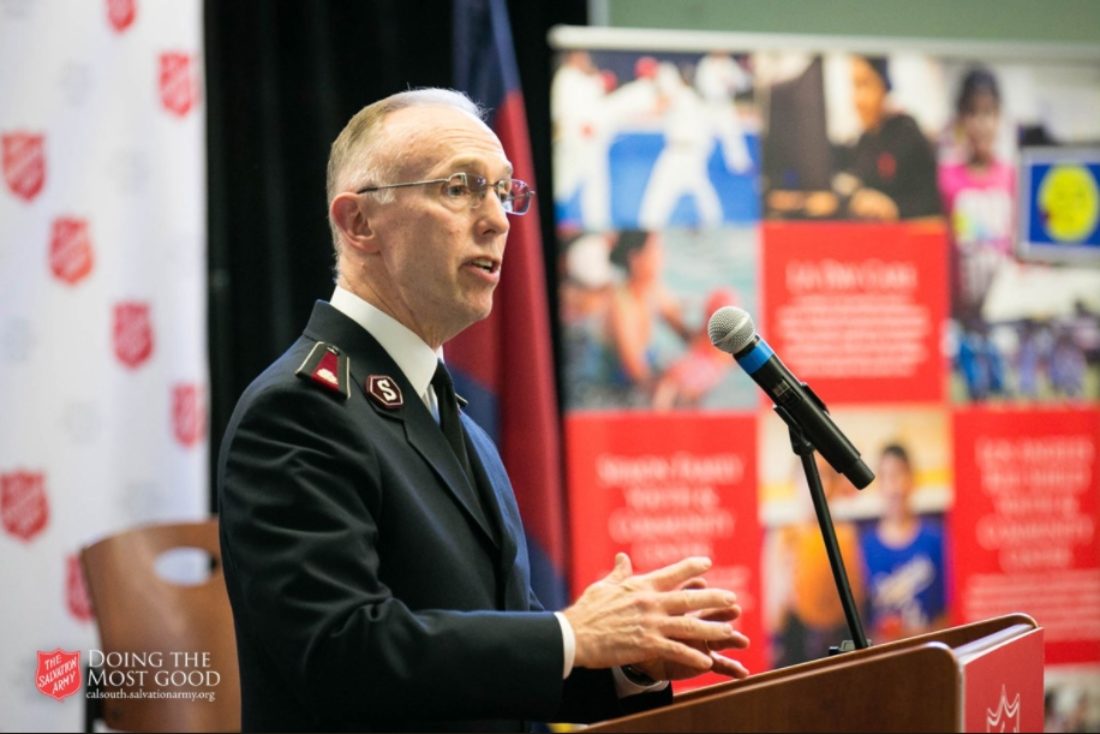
<point>805,451</point>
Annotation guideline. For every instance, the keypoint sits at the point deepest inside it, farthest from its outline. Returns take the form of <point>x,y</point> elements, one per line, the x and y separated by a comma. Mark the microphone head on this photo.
<point>731,329</point>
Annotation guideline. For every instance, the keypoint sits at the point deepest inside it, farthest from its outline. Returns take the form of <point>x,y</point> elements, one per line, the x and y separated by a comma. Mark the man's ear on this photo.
<point>351,214</point>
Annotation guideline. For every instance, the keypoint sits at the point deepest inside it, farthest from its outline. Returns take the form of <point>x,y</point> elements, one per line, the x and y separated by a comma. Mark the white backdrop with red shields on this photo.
<point>102,310</point>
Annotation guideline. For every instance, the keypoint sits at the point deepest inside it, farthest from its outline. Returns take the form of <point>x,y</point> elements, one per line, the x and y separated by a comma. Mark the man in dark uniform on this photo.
<point>373,552</point>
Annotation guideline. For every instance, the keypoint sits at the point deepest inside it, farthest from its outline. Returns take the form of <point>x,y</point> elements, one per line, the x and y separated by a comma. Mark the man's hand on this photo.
<point>667,620</point>
<point>659,669</point>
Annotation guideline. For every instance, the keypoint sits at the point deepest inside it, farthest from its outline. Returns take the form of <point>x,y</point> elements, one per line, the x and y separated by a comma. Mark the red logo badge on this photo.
<point>188,414</point>
<point>1006,717</point>
<point>70,249</point>
<point>76,591</point>
<point>121,13</point>
<point>23,504</point>
<point>58,673</point>
<point>24,163</point>
<point>384,391</point>
<point>133,333</point>
<point>177,83</point>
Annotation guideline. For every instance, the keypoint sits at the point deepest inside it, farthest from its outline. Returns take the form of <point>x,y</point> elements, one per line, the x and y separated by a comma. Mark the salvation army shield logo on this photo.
<point>70,250</point>
<point>76,591</point>
<point>188,415</point>
<point>23,505</point>
<point>121,13</point>
<point>58,673</point>
<point>24,163</point>
<point>177,82</point>
<point>133,333</point>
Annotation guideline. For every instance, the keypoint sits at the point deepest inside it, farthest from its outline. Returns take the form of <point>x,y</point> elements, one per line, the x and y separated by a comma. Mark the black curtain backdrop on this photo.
<point>282,79</point>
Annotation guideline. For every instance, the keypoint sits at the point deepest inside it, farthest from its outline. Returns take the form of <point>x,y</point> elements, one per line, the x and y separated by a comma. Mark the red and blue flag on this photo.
<point>504,364</point>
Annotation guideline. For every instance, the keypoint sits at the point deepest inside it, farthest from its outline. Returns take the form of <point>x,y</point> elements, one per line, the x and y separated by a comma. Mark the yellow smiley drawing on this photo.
<point>1069,202</point>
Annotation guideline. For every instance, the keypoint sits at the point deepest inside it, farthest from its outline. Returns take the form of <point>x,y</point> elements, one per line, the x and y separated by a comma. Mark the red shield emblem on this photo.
<point>76,591</point>
<point>23,504</point>
<point>70,249</point>
<point>133,333</point>
<point>188,415</point>
<point>177,83</point>
<point>121,13</point>
<point>24,163</point>
<point>58,673</point>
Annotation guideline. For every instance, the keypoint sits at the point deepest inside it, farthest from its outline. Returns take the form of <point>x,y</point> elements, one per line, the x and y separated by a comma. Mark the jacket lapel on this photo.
<point>421,431</point>
<point>506,514</point>
<point>424,435</point>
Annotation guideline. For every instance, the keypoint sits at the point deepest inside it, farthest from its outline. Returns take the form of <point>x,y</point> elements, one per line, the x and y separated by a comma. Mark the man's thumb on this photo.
<point>623,568</point>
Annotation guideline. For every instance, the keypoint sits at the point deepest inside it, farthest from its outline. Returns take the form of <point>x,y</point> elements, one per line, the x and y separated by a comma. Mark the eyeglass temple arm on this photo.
<point>369,189</point>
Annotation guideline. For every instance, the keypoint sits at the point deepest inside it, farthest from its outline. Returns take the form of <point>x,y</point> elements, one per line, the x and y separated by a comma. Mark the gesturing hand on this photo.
<point>659,669</point>
<point>665,619</point>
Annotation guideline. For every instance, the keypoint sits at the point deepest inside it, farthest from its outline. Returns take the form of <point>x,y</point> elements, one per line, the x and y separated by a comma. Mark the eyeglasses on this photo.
<point>515,195</point>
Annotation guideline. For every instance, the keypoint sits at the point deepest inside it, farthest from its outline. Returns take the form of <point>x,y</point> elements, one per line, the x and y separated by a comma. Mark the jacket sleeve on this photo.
<point>590,696</point>
<point>298,486</point>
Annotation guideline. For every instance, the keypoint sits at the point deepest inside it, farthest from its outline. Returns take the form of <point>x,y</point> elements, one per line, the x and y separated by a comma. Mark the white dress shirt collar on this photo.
<point>413,357</point>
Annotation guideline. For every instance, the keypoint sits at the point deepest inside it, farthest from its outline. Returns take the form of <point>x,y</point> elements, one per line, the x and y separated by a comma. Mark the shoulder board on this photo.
<point>328,367</point>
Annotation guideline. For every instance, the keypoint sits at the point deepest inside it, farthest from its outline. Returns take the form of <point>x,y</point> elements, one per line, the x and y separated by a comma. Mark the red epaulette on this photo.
<point>328,367</point>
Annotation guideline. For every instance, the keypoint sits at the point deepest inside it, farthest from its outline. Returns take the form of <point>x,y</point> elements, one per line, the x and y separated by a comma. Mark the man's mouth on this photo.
<point>487,264</point>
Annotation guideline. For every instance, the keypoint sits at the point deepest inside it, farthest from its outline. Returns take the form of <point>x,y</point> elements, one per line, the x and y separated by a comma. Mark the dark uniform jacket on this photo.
<point>372,587</point>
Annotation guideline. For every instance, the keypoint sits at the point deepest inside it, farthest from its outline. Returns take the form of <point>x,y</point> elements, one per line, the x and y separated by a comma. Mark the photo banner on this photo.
<point>912,227</point>
<point>102,315</point>
<point>666,487</point>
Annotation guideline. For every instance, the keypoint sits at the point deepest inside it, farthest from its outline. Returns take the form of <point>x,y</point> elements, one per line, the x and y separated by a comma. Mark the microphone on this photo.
<point>731,330</point>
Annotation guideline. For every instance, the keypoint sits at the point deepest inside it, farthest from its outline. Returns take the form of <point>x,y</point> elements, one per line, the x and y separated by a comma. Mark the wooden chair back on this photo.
<point>150,623</point>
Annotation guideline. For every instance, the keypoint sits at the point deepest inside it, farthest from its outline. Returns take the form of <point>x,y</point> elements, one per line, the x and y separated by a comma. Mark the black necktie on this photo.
<point>448,418</point>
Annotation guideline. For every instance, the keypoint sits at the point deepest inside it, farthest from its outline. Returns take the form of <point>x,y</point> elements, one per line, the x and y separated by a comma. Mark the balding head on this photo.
<point>361,154</point>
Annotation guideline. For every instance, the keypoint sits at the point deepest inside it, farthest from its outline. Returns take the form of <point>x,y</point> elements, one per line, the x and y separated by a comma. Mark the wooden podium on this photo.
<point>984,676</point>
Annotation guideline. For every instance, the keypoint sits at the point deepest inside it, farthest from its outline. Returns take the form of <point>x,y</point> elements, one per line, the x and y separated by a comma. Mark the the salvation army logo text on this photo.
<point>179,674</point>
<point>58,673</point>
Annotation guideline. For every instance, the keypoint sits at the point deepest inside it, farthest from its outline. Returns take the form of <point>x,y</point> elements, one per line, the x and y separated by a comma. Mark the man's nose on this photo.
<point>492,216</point>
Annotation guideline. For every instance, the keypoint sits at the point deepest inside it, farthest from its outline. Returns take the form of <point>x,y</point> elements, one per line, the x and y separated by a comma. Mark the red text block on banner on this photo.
<point>857,310</point>
<point>1024,526</point>
<point>664,487</point>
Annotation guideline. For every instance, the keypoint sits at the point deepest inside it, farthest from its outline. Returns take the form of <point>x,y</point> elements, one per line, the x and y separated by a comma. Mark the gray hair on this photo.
<point>356,153</point>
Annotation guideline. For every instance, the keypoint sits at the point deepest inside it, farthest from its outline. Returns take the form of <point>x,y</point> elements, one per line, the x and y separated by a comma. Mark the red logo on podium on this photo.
<point>1006,717</point>
<point>24,163</point>
<point>133,333</point>
<point>58,673</point>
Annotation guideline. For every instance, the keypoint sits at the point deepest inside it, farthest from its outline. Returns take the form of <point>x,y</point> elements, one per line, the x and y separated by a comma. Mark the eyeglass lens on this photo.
<point>515,195</point>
